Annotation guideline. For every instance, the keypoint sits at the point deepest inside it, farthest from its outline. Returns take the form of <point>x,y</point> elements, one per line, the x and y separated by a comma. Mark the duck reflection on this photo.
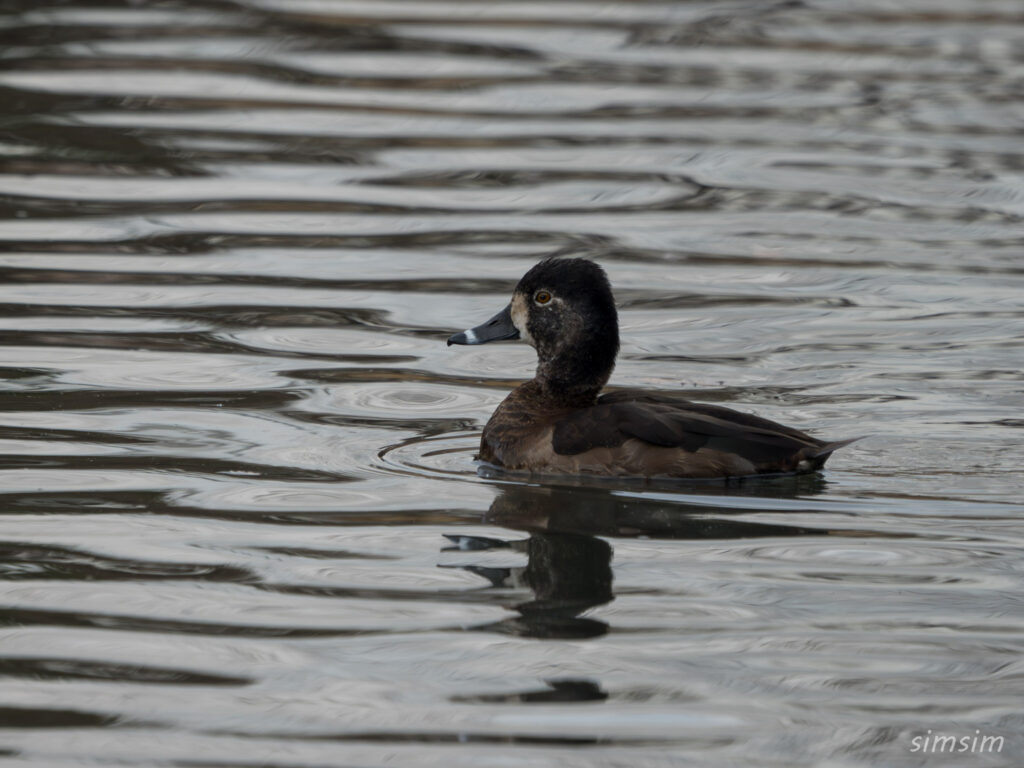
<point>597,511</point>
<point>568,567</point>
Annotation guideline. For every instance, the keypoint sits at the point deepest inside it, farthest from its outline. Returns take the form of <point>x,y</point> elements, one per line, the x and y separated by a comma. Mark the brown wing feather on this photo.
<point>727,414</point>
<point>671,422</point>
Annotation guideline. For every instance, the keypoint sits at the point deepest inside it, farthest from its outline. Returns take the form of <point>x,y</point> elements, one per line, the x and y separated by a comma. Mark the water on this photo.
<point>240,520</point>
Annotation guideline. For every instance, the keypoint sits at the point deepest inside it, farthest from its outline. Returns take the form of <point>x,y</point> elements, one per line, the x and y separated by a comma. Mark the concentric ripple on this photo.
<point>448,455</point>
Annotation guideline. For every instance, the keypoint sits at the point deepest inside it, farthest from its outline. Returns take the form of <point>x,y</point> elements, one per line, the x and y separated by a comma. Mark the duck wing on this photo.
<point>669,421</point>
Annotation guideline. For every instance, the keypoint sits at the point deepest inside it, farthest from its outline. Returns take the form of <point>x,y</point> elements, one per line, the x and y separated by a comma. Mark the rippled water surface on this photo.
<point>240,520</point>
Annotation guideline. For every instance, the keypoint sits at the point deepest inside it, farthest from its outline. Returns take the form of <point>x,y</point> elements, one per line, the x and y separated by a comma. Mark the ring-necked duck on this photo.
<point>558,424</point>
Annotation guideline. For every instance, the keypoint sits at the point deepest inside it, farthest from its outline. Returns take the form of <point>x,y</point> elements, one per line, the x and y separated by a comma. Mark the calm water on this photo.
<point>239,518</point>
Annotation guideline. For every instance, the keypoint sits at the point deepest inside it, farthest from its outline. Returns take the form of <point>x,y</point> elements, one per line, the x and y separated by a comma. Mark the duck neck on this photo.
<point>576,376</point>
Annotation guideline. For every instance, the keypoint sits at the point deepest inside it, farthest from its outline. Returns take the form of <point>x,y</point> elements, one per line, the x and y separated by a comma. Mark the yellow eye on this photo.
<point>542,297</point>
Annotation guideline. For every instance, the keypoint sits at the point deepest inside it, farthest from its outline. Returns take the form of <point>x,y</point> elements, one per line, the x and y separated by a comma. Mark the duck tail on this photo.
<point>813,457</point>
<point>824,451</point>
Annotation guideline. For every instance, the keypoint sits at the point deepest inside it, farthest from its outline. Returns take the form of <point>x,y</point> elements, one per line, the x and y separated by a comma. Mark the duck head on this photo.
<point>564,308</point>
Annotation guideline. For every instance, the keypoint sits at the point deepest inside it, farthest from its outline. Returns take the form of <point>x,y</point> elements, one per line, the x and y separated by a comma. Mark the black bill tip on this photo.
<point>498,328</point>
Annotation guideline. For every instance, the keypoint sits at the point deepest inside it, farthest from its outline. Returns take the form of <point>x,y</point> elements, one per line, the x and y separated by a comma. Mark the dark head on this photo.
<point>564,308</point>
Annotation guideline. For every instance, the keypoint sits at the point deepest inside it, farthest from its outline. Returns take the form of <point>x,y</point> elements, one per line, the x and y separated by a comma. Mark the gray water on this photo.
<point>239,516</point>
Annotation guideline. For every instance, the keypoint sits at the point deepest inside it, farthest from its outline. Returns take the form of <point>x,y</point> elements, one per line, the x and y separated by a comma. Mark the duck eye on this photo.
<point>542,297</point>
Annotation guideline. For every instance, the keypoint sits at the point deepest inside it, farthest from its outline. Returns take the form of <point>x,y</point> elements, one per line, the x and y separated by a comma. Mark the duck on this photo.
<point>560,422</point>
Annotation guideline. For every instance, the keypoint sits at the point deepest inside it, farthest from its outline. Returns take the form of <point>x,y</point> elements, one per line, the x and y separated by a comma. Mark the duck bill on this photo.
<point>498,328</point>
